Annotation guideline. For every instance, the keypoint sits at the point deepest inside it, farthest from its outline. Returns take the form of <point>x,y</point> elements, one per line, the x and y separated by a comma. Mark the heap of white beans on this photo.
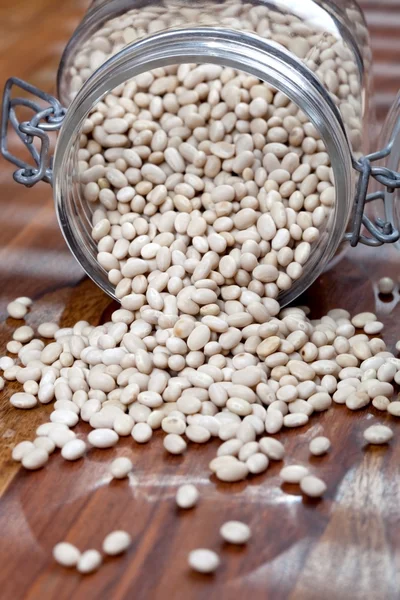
<point>288,369</point>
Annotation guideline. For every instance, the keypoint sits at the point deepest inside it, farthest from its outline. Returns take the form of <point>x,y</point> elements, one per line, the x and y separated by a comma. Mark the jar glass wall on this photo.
<point>331,38</point>
<point>307,62</point>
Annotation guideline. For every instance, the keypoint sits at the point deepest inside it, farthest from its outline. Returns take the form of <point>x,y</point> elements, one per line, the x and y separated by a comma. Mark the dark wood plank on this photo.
<point>345,547</point>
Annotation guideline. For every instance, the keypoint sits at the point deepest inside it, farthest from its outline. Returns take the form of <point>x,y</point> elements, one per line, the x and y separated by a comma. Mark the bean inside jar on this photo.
<point>201,172</point>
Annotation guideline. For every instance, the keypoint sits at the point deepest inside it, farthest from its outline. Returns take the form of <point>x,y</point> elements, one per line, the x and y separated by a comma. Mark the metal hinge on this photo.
<point>44,120</point>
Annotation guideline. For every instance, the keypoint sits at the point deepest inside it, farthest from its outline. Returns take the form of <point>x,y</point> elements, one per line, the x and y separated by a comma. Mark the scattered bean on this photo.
<point>235,532</point>
<point>121,467</point>
<point>17,310</point>
<point>203,560</point>
<point>378,434</point>
<point>312,486</point>
<point>293,473</point>
<point>386,285</point>
<point>187,496</point>
<point>66,554</point>
<point>116,543</point>
<point>89,561</point>
<point>319,445</point>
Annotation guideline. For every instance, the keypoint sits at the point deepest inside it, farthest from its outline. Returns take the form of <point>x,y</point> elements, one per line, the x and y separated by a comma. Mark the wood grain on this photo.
<point>345,547</point>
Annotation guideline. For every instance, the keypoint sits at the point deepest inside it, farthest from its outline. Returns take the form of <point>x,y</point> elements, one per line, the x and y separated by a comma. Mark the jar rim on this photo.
<point>245,52</point>
<point>95,15</point>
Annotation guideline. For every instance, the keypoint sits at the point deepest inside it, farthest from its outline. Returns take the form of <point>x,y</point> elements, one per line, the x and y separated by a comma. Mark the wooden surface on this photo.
<point>345,547</point>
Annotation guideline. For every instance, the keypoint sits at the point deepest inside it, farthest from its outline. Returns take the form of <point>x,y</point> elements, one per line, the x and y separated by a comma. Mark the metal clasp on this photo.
<point>44,120</point>
<point>382,231</point>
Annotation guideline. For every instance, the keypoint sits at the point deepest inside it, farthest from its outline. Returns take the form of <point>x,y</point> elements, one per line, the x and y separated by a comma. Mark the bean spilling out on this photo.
<point>293,369</point>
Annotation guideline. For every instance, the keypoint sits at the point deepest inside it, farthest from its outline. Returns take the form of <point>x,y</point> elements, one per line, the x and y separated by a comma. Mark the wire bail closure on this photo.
<point>51,118</point>
<point>382,231</point>
<point>44,120</point>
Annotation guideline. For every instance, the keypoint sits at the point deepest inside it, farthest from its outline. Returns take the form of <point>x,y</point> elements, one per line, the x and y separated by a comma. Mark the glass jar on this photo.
<point>309,60</point>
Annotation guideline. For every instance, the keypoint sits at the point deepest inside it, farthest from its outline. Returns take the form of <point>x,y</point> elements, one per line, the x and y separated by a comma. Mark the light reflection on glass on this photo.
<point>311,13</point>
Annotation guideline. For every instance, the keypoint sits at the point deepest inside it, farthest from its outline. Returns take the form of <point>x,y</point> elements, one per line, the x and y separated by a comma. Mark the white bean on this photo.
<point>378,434</point>
<point>35,459</point>
<point>235,532</point>
<point>319,445</point>
<point>312,486</point>
<point>293,473</point>
<point>174,444</point>
<point>23,400</point>
<point>73,450</point>
<point>17,310</point>
<point>116,542</point>
<point>21,449</point>
<point>66,554</point>
<point>121,467</point>
<point>187,496</point>
<point>89,561</point>
<point>203,560</point>
<point>232,472</point>
<point>103,438</point>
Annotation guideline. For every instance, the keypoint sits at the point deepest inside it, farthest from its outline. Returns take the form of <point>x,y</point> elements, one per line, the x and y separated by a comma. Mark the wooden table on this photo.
<point>345,547</point>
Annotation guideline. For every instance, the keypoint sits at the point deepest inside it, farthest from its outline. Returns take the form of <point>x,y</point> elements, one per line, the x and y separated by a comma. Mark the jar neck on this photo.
<point>242,51</point>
